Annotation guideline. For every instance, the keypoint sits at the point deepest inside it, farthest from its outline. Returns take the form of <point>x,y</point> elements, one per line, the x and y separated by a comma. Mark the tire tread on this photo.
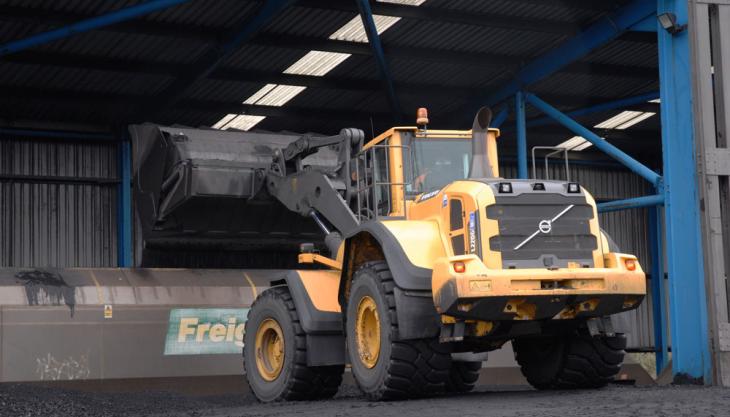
<point>583,362</point>
<point>306,382</point>
<point>418,368</point>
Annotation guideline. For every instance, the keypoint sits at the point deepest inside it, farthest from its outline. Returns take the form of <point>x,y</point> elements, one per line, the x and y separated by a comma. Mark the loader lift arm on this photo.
<point>311,192</point>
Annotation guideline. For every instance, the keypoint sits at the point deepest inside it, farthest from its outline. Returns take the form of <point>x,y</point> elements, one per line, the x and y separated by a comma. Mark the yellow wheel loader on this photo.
<point>426,259</point>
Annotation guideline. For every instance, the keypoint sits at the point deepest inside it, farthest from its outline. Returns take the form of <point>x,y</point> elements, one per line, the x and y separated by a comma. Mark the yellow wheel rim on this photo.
<point>367,332</point>
<point>269,349</point>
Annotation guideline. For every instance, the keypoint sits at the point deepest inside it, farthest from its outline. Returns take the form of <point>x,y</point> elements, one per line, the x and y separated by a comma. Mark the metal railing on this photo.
<point>556,150</point>
<point>369,201</point>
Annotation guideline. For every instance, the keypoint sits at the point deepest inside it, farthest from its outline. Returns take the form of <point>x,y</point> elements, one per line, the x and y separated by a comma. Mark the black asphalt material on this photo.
<point>614,401</point>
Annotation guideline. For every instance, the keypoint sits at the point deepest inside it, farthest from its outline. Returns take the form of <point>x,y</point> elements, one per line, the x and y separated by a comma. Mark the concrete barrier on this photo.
<point>168,327</point>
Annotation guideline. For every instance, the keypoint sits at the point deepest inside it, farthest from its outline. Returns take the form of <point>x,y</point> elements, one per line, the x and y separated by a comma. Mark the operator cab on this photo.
<point>403,163</point>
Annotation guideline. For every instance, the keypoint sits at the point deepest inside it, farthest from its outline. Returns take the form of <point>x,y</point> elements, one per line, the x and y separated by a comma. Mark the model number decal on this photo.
<point>472,232</point>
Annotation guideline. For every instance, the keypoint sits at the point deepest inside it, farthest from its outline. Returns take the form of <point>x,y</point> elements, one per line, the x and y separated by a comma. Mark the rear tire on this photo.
<point>570,361</point>
<point>463,376</point>
<point>295,380</point>
<point>403,369</point>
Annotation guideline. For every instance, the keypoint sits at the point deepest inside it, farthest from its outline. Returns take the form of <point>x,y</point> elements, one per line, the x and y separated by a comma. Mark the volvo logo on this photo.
<point>545,226</point>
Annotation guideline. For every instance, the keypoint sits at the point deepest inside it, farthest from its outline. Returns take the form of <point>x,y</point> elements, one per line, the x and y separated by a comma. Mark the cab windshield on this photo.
<point>436,162</point>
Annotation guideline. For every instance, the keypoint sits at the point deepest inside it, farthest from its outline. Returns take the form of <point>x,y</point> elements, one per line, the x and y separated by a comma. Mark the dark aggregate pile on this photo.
<point>615,401</point>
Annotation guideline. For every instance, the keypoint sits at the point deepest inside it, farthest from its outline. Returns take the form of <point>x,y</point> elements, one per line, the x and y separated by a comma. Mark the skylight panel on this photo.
<point>263,91</point>
<point>624,120</point>
<point>635,120</point>
<point>238,121</point>
<point>354,31</point>
<point>224,121</point>
<point>574,143</point>
<point>314,63</point>
<point>317,63</point>
<point>617,120</point>
<point>280,95</point>
<point>582,146</point>
<point>404,2</point>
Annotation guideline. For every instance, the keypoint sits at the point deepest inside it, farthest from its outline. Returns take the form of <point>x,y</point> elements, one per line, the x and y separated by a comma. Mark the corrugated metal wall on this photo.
<point>58,206</point>
<point>58,202</point>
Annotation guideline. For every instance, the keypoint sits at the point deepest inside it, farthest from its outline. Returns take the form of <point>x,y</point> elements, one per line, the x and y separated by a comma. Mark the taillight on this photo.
<point>459,267</point>
<point>630,264</point>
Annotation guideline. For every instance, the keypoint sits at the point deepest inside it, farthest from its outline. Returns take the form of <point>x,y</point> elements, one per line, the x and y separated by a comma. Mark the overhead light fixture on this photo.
<point>668,21</point>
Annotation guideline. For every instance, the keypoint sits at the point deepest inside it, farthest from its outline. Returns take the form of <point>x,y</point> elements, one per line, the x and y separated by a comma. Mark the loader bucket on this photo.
<point>201,200</point>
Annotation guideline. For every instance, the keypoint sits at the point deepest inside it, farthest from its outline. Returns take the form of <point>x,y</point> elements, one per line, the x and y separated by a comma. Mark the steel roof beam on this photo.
<point>103,99</point>
<point>53,17</point>
<point>366,14</point>
<point>595,5</point>
<point>620,104</point>
<point>441,55</point>
<point>440,92</point>
<point>606,29</point>
<point>212,59</point>
<point>444,15</point>
<point>54,95</point>
<point>212,34</point>
<point>609,134</point>
<point>86,25</point>
<point>101,63</point>
<point>596,140</point>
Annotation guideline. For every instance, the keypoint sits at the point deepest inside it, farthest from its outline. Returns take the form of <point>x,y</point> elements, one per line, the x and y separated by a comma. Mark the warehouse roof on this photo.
<point>311,68</point>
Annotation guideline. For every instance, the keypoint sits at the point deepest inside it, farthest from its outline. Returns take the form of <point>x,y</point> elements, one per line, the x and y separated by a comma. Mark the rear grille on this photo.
<point>568,239</point>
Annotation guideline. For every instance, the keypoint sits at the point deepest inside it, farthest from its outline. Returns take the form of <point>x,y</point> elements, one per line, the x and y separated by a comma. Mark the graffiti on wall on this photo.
<point>50,368</point>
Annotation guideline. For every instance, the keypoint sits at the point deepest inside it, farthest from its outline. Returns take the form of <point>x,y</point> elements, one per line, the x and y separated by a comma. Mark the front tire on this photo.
<point>384,367</point>
<point>572,361</point>
<point>275,353</point>
<point>463,376</point>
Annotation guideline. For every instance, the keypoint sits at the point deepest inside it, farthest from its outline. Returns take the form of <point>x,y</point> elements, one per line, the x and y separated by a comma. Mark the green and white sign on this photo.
<point>205,331</point>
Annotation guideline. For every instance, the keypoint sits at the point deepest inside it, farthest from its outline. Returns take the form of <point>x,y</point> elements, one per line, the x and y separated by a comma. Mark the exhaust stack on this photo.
<point>484,162</point>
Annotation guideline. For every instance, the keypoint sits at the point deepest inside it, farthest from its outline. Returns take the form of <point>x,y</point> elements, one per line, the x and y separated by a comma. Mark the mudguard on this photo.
<point>406,274</point>
<point>417,316</point>
<point>314,293</point>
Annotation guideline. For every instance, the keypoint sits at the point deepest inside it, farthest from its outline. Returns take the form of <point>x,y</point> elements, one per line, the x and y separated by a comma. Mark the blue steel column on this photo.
<point>124,212</point>
<point>691,360</point>
<point>600,144</point>
<point>366,14</point>
<point>500,117</point>
<point>521,135</point>
<point>659,309</point>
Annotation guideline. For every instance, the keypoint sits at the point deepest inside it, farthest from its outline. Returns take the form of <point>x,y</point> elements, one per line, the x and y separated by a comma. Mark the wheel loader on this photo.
<point>415,258</point>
